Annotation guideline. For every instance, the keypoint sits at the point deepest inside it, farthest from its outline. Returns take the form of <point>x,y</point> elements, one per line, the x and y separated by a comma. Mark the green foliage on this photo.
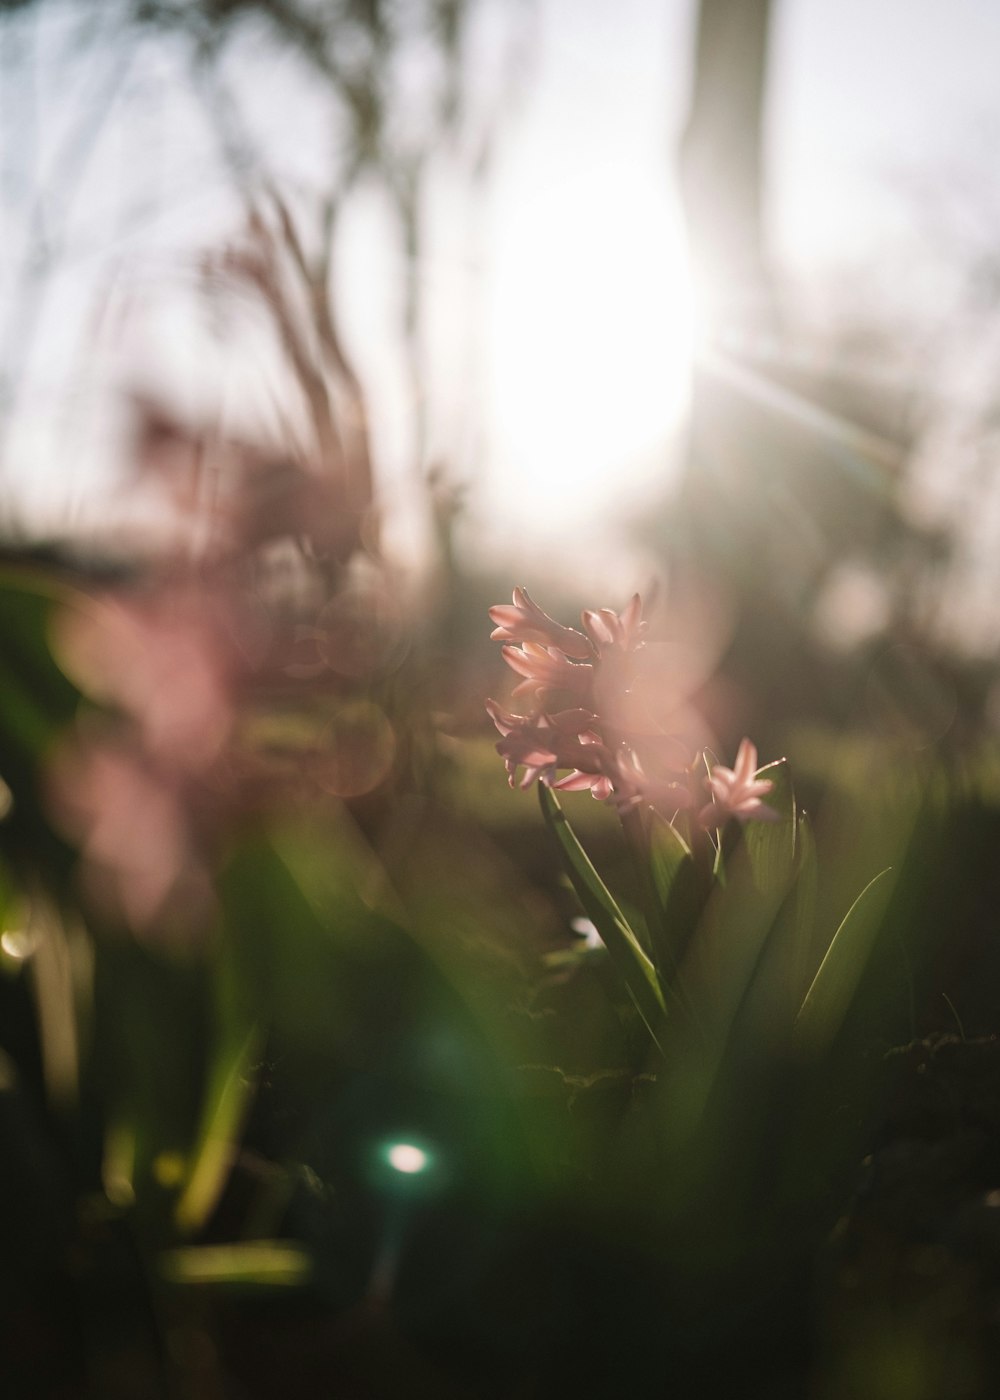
<point>37,699</point>
<point>732,931</point>
<point>637,972</point>
<point>37,702</point>
<point>679,891</point>
<point>383,975</point>
<point>771,846</point>
<point>827,1001</point>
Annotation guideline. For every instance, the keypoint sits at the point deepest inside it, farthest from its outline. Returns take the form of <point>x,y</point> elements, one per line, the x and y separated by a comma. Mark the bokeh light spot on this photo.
<point>18,943</point>
<point>406,1157</point>
<point>358,750</point>
<point>361,633</point>
<point>169,1169</point>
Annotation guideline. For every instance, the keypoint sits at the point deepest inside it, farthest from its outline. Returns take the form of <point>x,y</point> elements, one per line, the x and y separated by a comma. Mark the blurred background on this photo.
<point>540,234</point>
<point>667,293</point>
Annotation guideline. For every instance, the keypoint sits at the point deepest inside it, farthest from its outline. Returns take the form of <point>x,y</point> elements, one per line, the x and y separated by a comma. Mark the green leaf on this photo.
<point>669,852</point>
<point>827,1000</point>
<point>803,907</point>
<point>731,940</point>
<point>771,845</point>
<point>151,1022</point>
<point>680,895</point>
<point>227,1097</point>
<point>778,933</point>
<point>634,967</point>
<point>37,702</point>
<point>254,1264</point>
<point>37,699</point>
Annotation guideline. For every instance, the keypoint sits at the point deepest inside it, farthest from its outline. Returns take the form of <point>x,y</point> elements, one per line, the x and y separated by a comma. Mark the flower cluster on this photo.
<point>574,683</point>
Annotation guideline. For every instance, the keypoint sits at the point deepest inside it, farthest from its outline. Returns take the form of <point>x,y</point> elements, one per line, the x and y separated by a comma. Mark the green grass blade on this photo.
<point>254,1264</point>
<point>836,981</point>
<point>680,899</point>
<point>804,912</point>
<point>635,968</point>
<point>231,1085</point>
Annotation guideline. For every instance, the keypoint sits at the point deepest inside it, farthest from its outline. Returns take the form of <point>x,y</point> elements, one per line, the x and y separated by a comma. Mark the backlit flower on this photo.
<point>737,791</point>
<point>546,668</point>
<point>593,769</point>
<point>624,630</point>
<point>634,787</point>
<point>524,621</point>
<point>542,744</point>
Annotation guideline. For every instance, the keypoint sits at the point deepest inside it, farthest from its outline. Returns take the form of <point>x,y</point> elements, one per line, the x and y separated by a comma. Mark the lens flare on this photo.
<point>406,1157</point>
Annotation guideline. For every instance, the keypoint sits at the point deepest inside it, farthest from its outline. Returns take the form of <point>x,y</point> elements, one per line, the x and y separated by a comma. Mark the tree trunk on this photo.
<point>721,162</point>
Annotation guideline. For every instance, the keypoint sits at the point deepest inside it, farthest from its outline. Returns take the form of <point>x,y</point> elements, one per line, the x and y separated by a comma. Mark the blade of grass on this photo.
<point>227,1100</point>
<point>681,889</point>
<point>635,968</point>
<point>255,1264</point>
<point>829,997</point>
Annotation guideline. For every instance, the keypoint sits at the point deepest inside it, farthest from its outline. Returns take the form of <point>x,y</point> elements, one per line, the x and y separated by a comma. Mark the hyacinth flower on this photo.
<point>608,629</point>
<point>554,660</point>
<point>544,743</point>
<point>723,860</point>
<point>546,671</point>
<point>738,792</point>
<point>524,621</point>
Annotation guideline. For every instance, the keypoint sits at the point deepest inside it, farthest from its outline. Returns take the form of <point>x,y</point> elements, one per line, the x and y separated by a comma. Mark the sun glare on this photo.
<point>589,350</point>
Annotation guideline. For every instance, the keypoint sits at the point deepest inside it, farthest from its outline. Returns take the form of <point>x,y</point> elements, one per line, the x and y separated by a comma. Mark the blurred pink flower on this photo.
<point>618,642</point>
<point>737,791</point>
<point>668,793</point>
<point>131,827</point>
<point>163,664</point>
<point>524,621</point>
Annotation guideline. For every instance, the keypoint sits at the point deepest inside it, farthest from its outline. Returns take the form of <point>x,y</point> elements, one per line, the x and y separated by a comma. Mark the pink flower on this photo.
<point>547,668</point>
<point>618,642</point>
<point>599,785</point>
<point>624,630</point>
<point>163,662</point>
<point>737,791</point>
<point>634,787</point>
<point>528,748</point>
<point>590,741</point>
<point>594,769</point>
<point>545,743</point>
<point>566,721</point>
<point>132,830</point>
<point>524,621</point>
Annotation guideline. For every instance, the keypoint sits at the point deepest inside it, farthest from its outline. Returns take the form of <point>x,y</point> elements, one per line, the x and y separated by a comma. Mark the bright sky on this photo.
<point>561,319</point>
<point>588,333</point>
